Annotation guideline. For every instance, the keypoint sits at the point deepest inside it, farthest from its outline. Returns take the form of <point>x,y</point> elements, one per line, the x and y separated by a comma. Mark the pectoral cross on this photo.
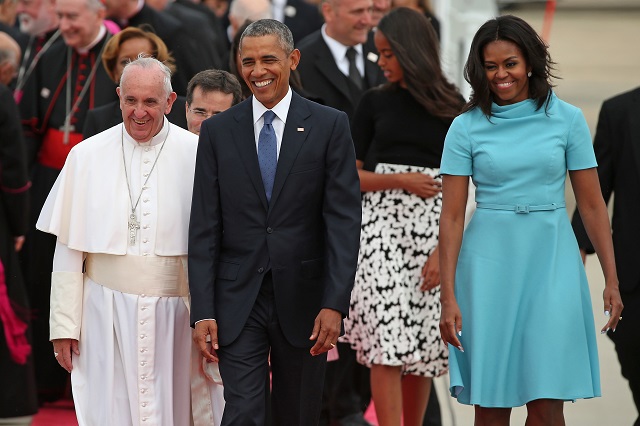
<point>67,128</point>
<point>134,225</point>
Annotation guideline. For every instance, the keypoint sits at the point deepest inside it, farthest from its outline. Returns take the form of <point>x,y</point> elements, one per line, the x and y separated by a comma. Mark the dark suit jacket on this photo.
<point>215,24</point>
<point>106,116</point>
<point>321,77</point>
<point>302,18</point>
<point>617,148</point>
<point>308,235</point>
<point>189,55</point>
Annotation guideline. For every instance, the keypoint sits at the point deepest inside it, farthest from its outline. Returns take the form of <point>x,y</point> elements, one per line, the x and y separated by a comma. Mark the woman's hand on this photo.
<point>431,271</point>
<point>451,324</point>
<point>420,184</point>
<point>612,306</point>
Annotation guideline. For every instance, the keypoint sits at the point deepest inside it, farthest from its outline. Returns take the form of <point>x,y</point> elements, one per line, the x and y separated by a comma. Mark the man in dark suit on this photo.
<point>69,81</point>
<point>617,148</point>
<point>326,70</point>
<point>301,17</point>
<point>273,238</point>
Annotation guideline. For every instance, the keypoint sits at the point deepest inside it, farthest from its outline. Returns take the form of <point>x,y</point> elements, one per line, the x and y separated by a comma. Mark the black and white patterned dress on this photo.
<point>391,320</point>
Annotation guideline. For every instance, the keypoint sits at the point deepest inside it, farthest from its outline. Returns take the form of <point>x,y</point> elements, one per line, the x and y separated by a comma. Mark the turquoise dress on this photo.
<point>527,322</point>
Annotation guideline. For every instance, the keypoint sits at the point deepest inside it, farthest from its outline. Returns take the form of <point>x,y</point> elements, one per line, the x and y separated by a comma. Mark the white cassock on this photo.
<point>129,309</point>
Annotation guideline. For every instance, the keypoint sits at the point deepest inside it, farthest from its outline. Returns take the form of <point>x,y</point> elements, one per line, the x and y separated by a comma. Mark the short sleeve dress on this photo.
<point>527,321</point>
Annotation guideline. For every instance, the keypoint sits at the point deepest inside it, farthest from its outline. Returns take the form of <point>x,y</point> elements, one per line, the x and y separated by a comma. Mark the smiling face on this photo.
<point>144,101</point>
<point>348,21</point>
<point>36,16</point>
<point>266,68</point>
<point>506,70</point>
<point>79,24</point>
<point>129,51</point>
<point>388,62</point>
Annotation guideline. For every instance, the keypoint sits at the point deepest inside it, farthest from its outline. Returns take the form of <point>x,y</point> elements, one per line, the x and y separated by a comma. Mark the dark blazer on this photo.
<point>321,77</point>
<point>308,235</point>
<point>302,18</point>
<point>187,51</point>
<point>106,116</point>
<point>617,148</point>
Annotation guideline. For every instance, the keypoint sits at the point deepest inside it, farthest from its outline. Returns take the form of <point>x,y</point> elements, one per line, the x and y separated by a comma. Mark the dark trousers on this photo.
<point>627,343</point>
<point>347,390</point>
<point>297,377</point>
<point>433,416</point>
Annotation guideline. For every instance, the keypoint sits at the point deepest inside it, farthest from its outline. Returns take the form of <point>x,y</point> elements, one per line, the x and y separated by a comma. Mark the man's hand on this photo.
<point>62,350</point>
<point>326,330</point>
<point>203,329</point>
<point>18,242</point>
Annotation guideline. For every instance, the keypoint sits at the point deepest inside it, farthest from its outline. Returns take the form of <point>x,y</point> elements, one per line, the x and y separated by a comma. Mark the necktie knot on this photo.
<point>268,116</point>
<point>351,54</point>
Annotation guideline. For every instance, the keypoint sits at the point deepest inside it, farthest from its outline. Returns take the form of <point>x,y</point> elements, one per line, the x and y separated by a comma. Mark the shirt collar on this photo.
<point>338,50</point>
<point>281,109</point>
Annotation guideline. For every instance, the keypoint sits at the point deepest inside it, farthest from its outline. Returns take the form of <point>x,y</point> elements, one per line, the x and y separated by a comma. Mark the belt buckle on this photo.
<point>522,208</point>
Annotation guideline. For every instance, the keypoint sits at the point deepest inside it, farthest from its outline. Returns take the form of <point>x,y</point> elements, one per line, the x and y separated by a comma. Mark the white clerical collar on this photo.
<point>95,41</point>
<point>281,109</point>
<point>156,140</point>
<point>338,50</point>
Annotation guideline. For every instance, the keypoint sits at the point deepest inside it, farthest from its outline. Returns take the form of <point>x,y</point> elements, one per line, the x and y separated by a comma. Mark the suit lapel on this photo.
<point>327,66</point>
<point>371,69</point>
<point>245,141</point>
<point>634,126</point>
<point>292,140</point>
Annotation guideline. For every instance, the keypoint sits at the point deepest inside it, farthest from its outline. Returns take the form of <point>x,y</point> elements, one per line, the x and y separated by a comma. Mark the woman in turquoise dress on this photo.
<point>516,309</point>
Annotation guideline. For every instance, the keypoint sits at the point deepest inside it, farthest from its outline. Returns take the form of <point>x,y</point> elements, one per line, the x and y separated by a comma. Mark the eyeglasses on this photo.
<point>202,113</point>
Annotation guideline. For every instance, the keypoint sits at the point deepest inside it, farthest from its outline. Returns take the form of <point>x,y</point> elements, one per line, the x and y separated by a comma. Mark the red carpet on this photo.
<point>61,414</point>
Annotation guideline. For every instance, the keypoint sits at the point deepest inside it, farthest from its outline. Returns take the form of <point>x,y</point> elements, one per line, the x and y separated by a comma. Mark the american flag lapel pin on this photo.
<point>301,129</point>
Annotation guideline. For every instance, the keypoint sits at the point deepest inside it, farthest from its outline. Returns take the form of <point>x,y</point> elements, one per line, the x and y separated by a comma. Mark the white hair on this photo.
<point>148,62</point>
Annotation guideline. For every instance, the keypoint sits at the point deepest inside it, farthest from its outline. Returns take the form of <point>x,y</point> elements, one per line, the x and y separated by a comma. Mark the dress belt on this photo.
<point>521,208</point>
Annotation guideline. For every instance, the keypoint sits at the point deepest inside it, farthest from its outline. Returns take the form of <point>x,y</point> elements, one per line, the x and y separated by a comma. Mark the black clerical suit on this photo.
<point>46,128</point>
<point>292,256</point>
<point>617,148</point>
<point>18,390</point>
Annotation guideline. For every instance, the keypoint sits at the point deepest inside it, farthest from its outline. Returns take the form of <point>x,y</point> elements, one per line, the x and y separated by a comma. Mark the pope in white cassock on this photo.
<point>121,205</point>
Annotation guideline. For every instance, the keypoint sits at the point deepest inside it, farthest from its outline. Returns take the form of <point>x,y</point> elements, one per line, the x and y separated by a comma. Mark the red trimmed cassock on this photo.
<point>58,89</point>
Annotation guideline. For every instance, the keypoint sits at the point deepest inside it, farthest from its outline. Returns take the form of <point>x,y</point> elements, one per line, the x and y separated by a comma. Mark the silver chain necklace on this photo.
<point>134,224</point>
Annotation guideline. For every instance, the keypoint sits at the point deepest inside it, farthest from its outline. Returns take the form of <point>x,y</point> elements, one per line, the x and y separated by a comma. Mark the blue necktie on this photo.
<point>268,153</point>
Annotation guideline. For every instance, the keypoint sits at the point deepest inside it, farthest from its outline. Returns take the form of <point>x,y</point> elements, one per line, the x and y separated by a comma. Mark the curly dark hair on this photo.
<point>534,49</point>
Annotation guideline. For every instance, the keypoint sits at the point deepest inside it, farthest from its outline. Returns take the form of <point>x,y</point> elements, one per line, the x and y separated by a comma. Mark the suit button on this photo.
<point>260,270</point>
<point>269,230</point>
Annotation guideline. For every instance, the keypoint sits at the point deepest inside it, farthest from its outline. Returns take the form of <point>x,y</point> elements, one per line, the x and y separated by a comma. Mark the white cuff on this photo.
<point>66,305</point>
